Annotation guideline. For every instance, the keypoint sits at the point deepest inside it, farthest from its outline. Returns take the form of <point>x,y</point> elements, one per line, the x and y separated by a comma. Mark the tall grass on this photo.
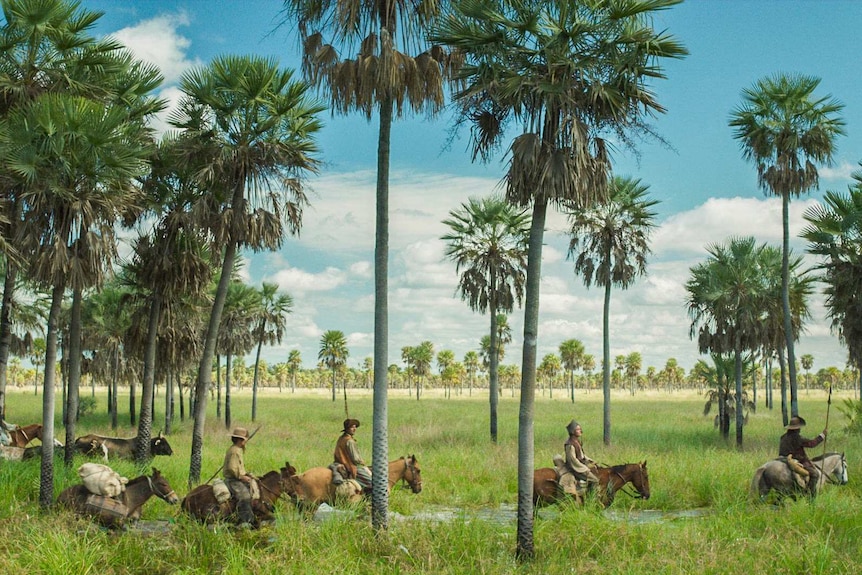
<point>698,520</point>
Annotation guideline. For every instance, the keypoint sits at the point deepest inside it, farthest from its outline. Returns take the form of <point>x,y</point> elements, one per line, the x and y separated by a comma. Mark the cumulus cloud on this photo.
<point>295,280</point>
<point>158,42</point>
<point>841,172</point>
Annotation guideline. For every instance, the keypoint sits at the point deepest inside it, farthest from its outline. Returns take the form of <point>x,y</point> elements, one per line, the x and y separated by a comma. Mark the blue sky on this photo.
<point>707,192</point>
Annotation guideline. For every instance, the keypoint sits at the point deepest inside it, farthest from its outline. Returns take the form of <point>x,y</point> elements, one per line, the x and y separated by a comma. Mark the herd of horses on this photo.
<point>310,489</point>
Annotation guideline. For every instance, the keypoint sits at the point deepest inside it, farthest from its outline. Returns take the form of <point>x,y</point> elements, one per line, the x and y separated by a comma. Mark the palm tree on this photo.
<point>833,233</point>
<point>250,132</point>
<point>488,241</point>
<point>571,352</point>
<point>294,362</point>
<point>421,357</point>
<point>237,333</point>
<point>786,131</point>
<point>275,307</point>
<point>333,354</point>
<point>566,77</point>
<point>471,364</point>
<point>45,47</point>
<point>445,359</point>
<point>610,244</point>
<point>75,160</point>
<point>550,367</point>
<point>383,77</point>
<point>634,362</point>
<point>807,361</point>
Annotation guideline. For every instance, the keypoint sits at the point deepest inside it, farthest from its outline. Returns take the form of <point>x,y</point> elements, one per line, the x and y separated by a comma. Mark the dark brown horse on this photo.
<point>201,502</point>
<point>21,436</point>
<point>315,485</point>
<point>611,481</point>
<point>138,491</point>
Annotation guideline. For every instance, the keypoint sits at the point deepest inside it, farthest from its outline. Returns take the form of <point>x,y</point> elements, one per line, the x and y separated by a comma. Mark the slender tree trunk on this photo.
<point>783,372</point>
<point>493,358</point>
<point>115,387</point>
<point>785,301</point>
<point>525,549</point>
<point>218,386</point>
<point>256,372</point>
<point>169,403</point>
<point>227,379</point>
<point>606,368</point>
<point>6,321</point>
<point>74,376</point>
<point>205,367</point>
<point>46,475</point>
<point>380,431</point>
<point>334,385</point>
<point>145,423</point>
<point>738,377</point>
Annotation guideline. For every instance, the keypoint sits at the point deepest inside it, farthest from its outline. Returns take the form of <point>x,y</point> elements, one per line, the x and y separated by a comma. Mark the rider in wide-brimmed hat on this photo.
<point>347,454</point>
<point>236,477</point>
<point>576,460</point>
<point>793,444</point>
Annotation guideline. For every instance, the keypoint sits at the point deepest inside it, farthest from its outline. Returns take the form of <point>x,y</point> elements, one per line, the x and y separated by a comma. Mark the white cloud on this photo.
<point>294,280</point>
<point>158,42</point>
<point>841,172</point>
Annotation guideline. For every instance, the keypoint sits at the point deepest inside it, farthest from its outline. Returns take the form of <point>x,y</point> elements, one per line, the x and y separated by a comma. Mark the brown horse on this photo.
<point>21,436</point>
<point>315,485</point>
<point>611,480</point>
<point>138,491</point>
<point>201,502</point>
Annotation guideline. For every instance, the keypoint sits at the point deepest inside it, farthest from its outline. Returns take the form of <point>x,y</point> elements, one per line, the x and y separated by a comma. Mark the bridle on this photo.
<point>157,493</point>
<point>624,486</point>
<point>409,465</point>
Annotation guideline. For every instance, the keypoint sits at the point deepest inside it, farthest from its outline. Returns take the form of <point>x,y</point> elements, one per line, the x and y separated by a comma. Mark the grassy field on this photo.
<point>698,520</point>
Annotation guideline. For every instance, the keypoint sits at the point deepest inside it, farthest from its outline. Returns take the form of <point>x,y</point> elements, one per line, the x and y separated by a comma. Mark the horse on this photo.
<point>21,436</point>
<point>138,491</point>
<point>776,476</point>
<point>201,502</point>
<point>612,479</point>
<point>122,447</point>
<point>315,486</point>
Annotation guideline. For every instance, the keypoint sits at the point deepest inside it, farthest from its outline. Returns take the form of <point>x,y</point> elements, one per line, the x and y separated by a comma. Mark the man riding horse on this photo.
<point>792,444</point>
<point>577,466</point>
<point>347,454</point>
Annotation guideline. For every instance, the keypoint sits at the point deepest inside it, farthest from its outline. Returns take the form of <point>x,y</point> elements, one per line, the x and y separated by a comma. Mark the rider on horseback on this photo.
<point>347,454</point>
<point>236,478</point>
<point>792,444</point>
<point>580,466</point>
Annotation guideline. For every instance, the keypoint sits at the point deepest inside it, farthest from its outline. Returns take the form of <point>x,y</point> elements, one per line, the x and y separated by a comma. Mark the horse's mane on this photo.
<point>269,474</point>
<point>621,466</point>
<point>138,479</point>
<point>825,455</point>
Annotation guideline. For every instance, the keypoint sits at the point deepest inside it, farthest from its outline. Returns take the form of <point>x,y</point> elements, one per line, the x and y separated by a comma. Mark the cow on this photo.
<point>123,448</point>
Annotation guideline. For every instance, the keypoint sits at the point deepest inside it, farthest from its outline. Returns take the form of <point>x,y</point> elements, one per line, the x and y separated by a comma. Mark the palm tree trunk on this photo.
<point>218,386</point>
<point>169,403</point>
<point>115,376</point>
<point>206,364</point>
<point>738,377</point>
<point>46,474</point>
<point>227,378</point>
<point>74,376</point>
<point>333,384</point>
<point>380,431</point>
<point>493,358</point>
<point>525,548</point>
<point>606,368</point>
<point>783,374</point>
<point>785,301</point>
<point>256,372</point>
<point>6,323</point>
<point>145,423</point>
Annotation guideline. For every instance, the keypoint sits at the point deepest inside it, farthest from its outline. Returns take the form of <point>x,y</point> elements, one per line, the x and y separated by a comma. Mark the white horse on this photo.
<point>776,475</point>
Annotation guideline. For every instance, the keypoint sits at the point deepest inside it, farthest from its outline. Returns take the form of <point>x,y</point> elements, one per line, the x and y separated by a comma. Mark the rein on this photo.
<point>624,486</point>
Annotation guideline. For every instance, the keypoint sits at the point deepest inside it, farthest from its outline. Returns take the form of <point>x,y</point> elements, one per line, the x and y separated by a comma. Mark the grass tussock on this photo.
<point>699,519</point>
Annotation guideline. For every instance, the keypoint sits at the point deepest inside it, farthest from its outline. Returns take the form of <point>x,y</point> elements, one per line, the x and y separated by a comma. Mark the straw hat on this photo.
<point>795,423</point>
<point>240,432</point>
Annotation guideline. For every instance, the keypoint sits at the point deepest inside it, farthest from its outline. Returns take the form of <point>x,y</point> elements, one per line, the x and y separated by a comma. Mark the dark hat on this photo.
<point>571,427</point>
<point>795,423</point>
<point>348,422</point>
<point>240,432</point>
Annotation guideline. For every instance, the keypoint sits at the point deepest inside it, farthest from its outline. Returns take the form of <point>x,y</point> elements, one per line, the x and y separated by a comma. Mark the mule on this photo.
<point>121,447</point>
<point>21,436</point>
<point>776,476</point>
<point>138,491</point>
<point>315,485</point>
<point>612,479</point>
<point>201,502</point>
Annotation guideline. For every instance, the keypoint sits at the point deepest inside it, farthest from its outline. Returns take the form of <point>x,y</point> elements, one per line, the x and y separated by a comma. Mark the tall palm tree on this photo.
<point>550,367</point>
<point>571,354</point>
<point>250,129</point>
<point>236,334</point>
<point>807,361</point>
<point>488,243</point>
<point>567,75</point>
<point>610,244</point>
<point>270,330</point>
<point>634,362</point>
<point>786,131</point>
<point>45,47</point>
<point>333,354</point>
<point>75,159</point>
<point>421,357</point>
<point>833,232</point>
<point>375,59</point>
<point>471,365</point>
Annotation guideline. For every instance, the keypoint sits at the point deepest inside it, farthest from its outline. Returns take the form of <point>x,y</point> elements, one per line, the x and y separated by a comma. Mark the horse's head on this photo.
<point>640,479</point>
<point>840,472</point>
<point>412,474</point>
<point>37,431</point>
<point>161,488</point>
<point>287,480</point>
<point>159,445</point>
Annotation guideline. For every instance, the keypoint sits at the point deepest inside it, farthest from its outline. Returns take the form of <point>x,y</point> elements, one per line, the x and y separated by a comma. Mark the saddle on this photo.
<point>800,474</point>
<point>567,480</point>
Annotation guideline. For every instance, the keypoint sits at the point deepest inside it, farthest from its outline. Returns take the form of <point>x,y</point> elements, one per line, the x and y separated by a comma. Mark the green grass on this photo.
<point>691,470</point>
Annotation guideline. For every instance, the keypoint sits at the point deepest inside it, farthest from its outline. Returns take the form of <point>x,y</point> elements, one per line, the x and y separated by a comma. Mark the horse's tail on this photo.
<point>757,484</point>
